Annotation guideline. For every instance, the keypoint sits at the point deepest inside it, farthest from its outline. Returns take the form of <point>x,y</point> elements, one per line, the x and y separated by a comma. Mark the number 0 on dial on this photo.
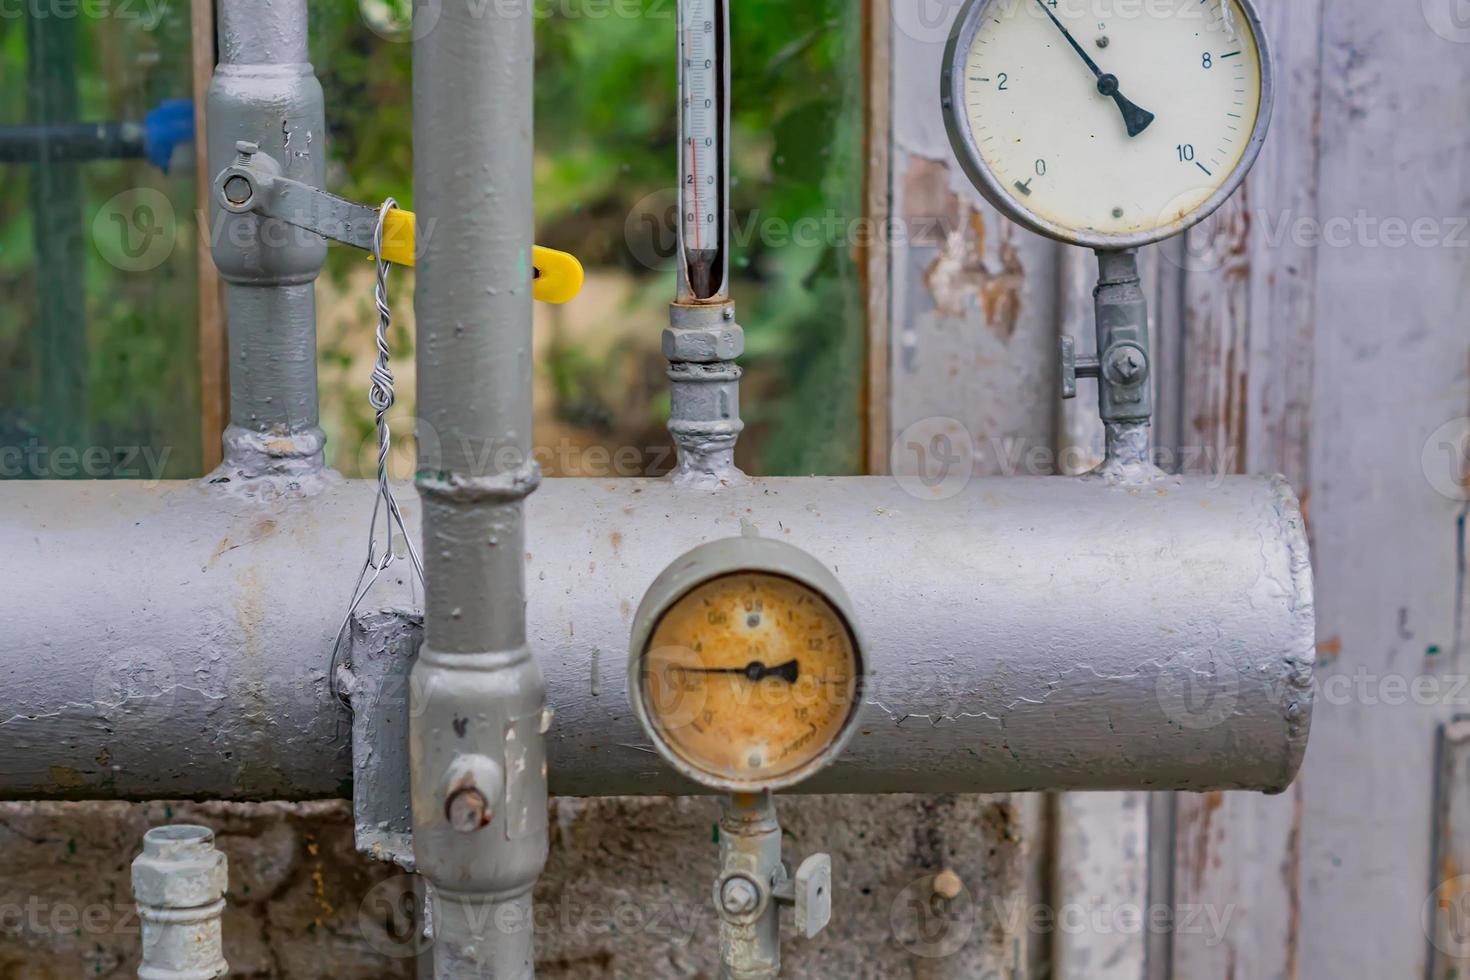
<point>1107,123</point>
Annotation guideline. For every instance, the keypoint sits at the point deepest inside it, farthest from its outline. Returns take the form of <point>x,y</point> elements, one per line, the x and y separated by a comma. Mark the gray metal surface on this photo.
<point>744,892</point>
<point>264,92</point>
<point>1024,634</point>
<point>1123,367</point>
<point>477,700</point>
<point>384,648</point>
<point>702,343</point>
<point>179,883</point>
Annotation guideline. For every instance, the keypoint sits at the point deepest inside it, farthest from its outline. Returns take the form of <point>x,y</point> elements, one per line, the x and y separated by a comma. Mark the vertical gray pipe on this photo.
<point>265,92</point>
<point>478,716</point>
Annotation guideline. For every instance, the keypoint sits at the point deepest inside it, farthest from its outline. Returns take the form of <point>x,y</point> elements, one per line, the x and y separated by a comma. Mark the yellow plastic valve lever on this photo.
<point>558,274</point>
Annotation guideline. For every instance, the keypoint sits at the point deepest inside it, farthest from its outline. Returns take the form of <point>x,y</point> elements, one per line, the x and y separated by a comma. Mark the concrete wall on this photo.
<point>626,892</point>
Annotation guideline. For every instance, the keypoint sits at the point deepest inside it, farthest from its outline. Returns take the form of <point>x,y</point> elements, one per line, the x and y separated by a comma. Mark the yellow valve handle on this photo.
<point>558,274</point>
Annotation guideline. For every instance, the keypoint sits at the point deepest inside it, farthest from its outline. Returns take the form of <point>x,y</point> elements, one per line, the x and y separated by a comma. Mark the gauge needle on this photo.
<point>753,671</point>
<point>1135,118</point>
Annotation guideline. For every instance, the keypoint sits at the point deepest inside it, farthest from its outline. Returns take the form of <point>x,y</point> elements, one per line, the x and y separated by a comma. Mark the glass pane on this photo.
<point>606,174</point>
<point>98,341</point>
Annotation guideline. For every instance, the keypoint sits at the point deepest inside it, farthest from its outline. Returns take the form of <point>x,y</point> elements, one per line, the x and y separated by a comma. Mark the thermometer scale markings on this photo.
<point>702,116</point>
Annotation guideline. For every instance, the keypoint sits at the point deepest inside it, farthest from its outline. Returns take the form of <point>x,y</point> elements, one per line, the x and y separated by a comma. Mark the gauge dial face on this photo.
<point>750,677</point>
<point>1111,118</point>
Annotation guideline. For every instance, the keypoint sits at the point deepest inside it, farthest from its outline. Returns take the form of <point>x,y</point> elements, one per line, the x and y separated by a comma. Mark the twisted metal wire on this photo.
<point>380,397</point>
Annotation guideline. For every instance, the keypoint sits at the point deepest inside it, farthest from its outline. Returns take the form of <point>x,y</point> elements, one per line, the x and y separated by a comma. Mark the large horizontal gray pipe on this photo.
<point>171,641</point>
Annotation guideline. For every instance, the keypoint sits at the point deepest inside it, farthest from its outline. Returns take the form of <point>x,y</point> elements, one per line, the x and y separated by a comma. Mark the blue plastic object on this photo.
<point>168,125</point>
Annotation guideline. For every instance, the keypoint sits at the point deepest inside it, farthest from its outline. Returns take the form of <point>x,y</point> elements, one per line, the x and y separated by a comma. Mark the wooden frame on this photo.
<point>214,382</point>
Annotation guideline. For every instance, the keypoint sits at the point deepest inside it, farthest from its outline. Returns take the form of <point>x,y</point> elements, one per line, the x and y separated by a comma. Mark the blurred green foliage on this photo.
<point>606,129</point>
<point>606,133</point>
<point>137,347</point>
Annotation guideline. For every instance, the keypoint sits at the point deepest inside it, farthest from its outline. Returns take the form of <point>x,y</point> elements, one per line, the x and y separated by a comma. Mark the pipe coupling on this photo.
<point>179,883</point>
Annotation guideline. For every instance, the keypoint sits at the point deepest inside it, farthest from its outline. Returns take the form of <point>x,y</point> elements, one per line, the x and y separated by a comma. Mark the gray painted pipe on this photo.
<point>477,716</point>
<point>164,641</point>
<point>265,92</point>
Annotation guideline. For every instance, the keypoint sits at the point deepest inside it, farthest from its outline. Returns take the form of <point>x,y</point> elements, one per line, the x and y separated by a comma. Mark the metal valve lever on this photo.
<point>254,184</point>
<point>1074,367</point>
<point>809,893</point>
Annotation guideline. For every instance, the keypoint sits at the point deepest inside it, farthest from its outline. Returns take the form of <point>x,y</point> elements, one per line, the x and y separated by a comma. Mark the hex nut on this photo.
<point>180,868</point>
<point>703,345</point>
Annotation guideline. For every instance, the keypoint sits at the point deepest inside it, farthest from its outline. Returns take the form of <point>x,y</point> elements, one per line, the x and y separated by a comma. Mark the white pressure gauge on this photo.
<point>1107,123</point>
<point>746,667</point>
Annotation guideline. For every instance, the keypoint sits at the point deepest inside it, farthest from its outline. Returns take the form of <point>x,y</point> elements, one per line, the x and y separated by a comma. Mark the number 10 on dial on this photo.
<point>1107,123</point>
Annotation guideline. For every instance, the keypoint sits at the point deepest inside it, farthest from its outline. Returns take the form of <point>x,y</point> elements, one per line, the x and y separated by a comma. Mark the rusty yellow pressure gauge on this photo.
<point>746,666</point>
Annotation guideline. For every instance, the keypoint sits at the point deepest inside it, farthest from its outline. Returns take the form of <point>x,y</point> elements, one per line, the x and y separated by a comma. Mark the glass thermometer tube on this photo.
<point>703,115</point>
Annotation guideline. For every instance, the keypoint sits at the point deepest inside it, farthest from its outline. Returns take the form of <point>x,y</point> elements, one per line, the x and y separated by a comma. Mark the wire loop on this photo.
<point>381,397</point>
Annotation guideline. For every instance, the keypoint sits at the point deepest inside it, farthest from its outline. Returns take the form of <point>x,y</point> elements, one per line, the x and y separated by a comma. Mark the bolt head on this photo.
<point>247,147</point>
<point>739,896</point>
<point>468,811</point>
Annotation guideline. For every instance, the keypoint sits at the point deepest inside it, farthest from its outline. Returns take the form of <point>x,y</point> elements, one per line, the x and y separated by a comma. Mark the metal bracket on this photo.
<point>382,652</point>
